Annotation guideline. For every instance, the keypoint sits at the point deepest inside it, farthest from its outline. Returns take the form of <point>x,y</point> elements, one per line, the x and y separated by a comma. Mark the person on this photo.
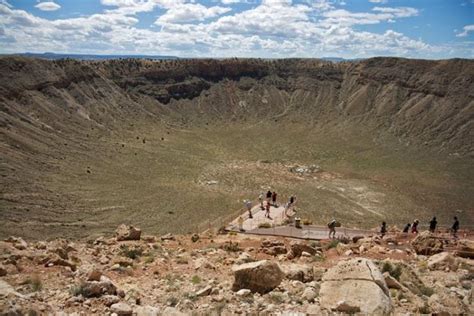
<point>269,196</point>
<point>267,211</point>
<point>414,227</point>
<point>433,224</point>
<point>274,198</point>
<point>332,229</point>
<point>241,224</point>
<point>248,205</point>
<point>406,229</point>
<point>260,199</point>
<point>455,227</point>
<point>383,229</point>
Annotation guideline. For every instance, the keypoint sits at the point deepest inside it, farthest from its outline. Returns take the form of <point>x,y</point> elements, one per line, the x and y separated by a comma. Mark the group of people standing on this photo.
<point>432,227</point>
<point>266,200</point>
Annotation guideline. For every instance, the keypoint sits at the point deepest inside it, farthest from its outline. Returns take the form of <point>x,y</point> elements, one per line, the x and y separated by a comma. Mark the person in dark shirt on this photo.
<point>406,229</point>
<point>274,199</point>
<point>383,229</point>
<point>433,224</point>
<point>455,227</point>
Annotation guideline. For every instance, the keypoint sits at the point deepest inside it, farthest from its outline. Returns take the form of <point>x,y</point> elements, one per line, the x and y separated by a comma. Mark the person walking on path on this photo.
<point>332,229</point>
<point>414,227</point>
<point>406,229</point>
<point>267,211</point>
<point>455,227</point>
<point>274,199</point>
<point>248,205</point>
<point>433,224</point>
<point>260,199</point>
<point>290,204</point>
<point>241,224</point>
<point>383,229</point>
<point>269,196</point>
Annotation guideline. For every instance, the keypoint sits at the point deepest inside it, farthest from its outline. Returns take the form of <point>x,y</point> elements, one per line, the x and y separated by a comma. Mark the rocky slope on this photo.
<point>427,101</point>
<point>211,274</point>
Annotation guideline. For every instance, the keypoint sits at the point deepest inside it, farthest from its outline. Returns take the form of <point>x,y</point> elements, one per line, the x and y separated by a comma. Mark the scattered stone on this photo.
<point>204,292</point>
<point>98,288</point>
<point>297,249</point>
<point>194,237</point>
<point>273,247</point>
<point>261,276</point>
<point>353,286</point>
<point>147,311</point>
<point>58,261</point>
<point>392,283</point>
<point>465,249</point>
<point>309,294</point>
<point>109,300</point>
<point>427,244</point>
<point>121,309</point>
<point>94,275</point>
<point>168,236</point>
<point>244,258</point>
<point>243,292</point>
<point>3,270</point>
<point>303,273</point>
<point>129,232</point>
<point>443,260</point>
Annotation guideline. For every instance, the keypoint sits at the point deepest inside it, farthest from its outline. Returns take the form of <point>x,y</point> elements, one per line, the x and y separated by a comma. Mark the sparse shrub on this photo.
<point>276,298</point>
<point>77,290</point>
<point>425,309</point>
<point>332,244</point>
<point>265,225</point>
<point>195,279</point>
<point>307,221</point>
<point>219,308</point>
<point>426,290</point>
<point>150,258</point>
<point>182,260</point>
<point>35,283</point>
<point>132,253</point>
<point>231,246</point>
<point>394,271</point>
<point>172,301</point>
<point>318,258</point>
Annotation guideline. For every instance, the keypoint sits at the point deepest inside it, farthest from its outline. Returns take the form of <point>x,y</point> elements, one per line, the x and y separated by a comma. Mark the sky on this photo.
<point>430,29</point>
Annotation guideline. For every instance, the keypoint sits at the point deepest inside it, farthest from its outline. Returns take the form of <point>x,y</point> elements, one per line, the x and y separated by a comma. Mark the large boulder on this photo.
<point>427,244</point>
<point>443,260</point>
<point>465,249</point>
<point>129,232</point>
<point>355,286</point>
<point>261,276</point>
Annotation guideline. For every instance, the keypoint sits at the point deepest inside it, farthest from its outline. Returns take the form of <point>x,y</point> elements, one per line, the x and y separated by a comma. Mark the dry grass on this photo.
<point>160,185</point>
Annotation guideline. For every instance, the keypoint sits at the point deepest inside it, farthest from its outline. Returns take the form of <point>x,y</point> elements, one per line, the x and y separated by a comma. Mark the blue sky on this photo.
<point>432,29</point>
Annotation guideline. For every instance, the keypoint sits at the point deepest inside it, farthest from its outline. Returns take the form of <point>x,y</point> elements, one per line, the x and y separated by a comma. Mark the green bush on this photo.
<point>195,279</point>
<point>132,253</point>
<point>265,225</point>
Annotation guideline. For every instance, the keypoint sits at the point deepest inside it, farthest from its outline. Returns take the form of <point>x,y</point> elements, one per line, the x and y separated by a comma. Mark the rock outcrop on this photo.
<point>355,286</point>
<point>127,232</point>
<point>427,244</point>
<point>261,276</point>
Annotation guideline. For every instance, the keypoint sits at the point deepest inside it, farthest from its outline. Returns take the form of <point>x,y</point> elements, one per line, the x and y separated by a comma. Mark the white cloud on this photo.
<point>378,1</point>
<point>48,6</point>
<point>189,12</point>
<point>466,30</point>
<point>271,29</point>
